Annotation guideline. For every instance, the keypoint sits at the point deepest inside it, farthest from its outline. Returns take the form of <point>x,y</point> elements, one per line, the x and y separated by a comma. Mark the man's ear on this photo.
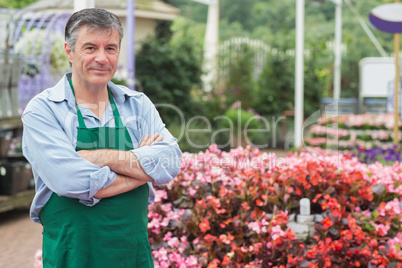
<point>69,53</point>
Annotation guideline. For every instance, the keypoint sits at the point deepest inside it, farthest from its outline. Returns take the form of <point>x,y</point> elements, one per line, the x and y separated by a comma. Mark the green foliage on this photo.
<point>244,123</point>
<point>194,140</point>
<point>241,118</point>
<point>276,83</point>
<point>168,73</point>
<point>15,4</point>
<point>191,9</point>
<point>238,82</point>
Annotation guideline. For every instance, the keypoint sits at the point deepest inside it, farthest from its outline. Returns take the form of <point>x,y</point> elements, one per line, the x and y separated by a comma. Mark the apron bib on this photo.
<point>113,233</point>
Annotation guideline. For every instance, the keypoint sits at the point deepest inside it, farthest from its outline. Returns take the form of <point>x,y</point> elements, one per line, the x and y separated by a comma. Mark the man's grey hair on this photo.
<point>94,19</point>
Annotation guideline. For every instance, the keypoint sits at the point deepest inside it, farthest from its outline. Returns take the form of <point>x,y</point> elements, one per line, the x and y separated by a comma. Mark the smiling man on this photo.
<point>96,150</point>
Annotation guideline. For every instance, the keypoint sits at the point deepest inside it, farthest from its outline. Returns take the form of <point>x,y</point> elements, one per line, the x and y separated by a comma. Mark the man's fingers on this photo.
<point>148,140</point>
<point>144,140</point>
<point>159,139</point>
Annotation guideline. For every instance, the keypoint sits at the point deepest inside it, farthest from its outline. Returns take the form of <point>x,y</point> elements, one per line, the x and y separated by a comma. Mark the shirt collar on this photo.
<point>62,91</point>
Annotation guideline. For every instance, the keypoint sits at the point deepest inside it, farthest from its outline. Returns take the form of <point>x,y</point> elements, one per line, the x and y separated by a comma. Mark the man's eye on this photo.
<point>90,48</point>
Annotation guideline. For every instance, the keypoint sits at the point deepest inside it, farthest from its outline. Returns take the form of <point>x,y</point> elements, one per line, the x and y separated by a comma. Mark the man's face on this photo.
<point>94,61</point>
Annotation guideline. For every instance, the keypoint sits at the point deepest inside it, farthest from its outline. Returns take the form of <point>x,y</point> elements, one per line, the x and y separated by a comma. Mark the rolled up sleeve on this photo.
<point>56,163</point>
<point>161,161</point>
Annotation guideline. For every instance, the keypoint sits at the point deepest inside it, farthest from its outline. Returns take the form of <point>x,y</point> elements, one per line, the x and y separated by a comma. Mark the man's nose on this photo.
<point>101,57</point>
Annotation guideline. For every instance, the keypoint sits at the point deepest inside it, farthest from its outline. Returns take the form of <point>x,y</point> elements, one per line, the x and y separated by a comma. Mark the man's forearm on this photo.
<point>121,162</point>
<point>122,184</point>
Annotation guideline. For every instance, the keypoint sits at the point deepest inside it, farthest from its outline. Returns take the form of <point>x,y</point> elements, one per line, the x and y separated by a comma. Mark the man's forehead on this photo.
<point>102,31</point>
<point>86,33</point>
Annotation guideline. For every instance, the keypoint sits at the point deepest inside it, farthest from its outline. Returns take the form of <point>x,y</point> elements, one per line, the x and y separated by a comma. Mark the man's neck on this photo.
<point>93,97</point>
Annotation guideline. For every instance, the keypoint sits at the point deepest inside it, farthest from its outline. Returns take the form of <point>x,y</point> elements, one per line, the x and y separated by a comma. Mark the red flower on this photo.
<point>299,192</point>
<point>202,203</point>
<point>204,225</point>
<point>328,262</point>
<point>346,235</point>
<point>226,239</point>
<point>215,202</point>
<point>210,238</point>
<point>259,202</point>
<point>249,172</point>
<point>214,263</point>
<point>373,243</point>
<point>359,235</point>
<point>223,191</point>
<point>245,206</point>
<point>365,252</point>
<point>337,245</point>
<point>327,222</point>
<point>226,261</point>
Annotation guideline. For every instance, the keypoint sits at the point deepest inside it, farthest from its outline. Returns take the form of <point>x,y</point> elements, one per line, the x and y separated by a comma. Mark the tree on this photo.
<point>238,84</point>
<point>169,72</point>
<point>276,83</point>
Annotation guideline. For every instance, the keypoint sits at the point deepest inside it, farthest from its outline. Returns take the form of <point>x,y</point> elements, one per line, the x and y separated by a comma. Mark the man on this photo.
<point>95,149</point>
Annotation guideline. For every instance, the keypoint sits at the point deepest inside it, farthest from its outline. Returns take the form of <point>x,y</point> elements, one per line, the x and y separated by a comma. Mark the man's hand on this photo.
<point>147,140</point>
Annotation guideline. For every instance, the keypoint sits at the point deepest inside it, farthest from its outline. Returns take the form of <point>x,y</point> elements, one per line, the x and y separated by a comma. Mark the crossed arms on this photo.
<point>130,173</point>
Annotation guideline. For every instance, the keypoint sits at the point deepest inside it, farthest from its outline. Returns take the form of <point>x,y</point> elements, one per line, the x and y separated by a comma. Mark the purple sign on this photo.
<point>387,18</point>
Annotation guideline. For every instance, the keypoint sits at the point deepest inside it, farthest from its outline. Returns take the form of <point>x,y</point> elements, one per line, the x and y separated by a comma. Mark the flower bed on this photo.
<point>344,132</point>
<point>231,209</point>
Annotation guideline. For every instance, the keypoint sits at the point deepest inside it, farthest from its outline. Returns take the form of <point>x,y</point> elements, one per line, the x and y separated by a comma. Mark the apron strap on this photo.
<point>117,119</point>
<point>79,114</point>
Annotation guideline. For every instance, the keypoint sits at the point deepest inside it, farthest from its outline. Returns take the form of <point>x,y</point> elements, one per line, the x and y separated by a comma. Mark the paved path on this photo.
<point>19,239</point>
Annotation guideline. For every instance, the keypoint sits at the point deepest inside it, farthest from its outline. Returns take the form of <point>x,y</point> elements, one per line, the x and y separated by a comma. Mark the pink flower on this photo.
<point>174,242</point>
<point>276,232</point>
<point>38,259</point>
<point>159,195</point>
<point>382,229</point>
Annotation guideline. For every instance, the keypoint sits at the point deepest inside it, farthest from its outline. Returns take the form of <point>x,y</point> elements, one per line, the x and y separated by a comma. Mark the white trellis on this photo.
<point>232,48</point>
<point>35,33</point>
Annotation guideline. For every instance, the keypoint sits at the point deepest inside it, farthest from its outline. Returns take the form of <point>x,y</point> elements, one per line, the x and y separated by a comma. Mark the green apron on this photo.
<point>112,233</point>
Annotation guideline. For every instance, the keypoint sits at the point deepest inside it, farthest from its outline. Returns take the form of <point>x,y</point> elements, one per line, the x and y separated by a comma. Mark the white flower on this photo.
<point>37,41</point>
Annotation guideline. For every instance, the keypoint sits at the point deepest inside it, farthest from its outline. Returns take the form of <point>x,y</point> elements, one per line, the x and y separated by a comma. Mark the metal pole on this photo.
<point>299,75</point>
<point>130,26</point>
<point>211,45</point>
<point>396,92</point>
<point>338,50</point>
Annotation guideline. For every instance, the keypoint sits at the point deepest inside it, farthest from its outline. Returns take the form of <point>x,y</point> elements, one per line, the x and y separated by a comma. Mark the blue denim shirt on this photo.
<point>50,135</point>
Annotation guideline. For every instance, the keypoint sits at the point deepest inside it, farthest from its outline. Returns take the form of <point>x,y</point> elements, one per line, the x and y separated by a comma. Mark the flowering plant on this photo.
<point>217,212</point>
<point>31,46</point>
<point>389,155</point>
<point>344,132</point>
